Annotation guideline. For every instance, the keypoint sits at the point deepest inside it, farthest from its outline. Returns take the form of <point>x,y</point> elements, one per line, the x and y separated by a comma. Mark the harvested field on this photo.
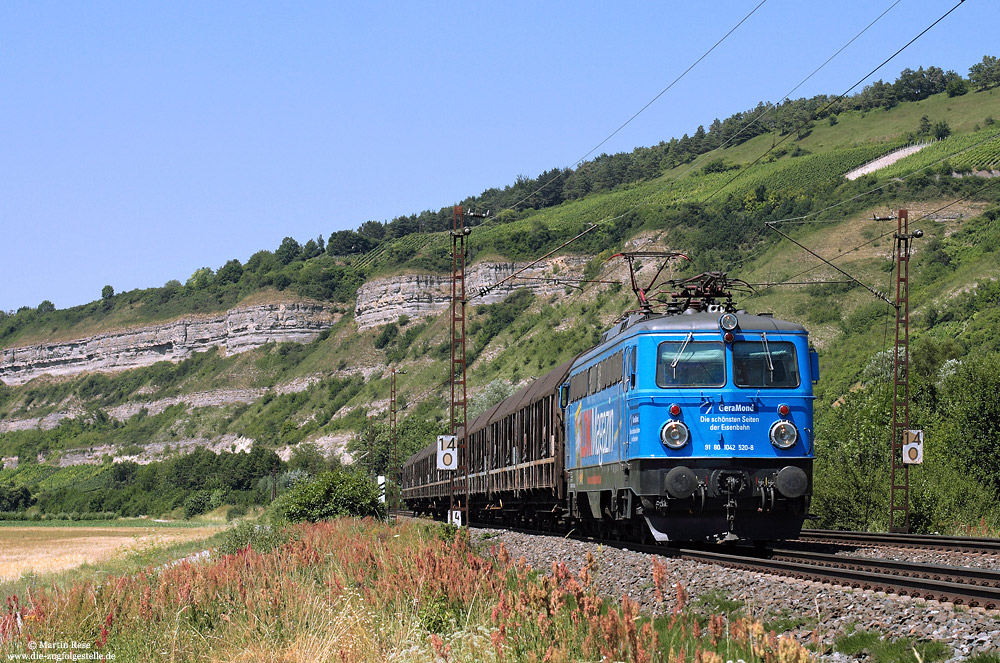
<point>48,549</point>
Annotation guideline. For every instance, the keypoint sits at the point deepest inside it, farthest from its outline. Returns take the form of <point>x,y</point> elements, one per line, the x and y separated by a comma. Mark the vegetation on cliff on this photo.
<point>714,208</point>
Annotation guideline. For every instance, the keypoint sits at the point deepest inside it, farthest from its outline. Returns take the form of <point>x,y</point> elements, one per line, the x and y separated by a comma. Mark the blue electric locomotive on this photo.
<point>698,424</point>
<point>689,425</point>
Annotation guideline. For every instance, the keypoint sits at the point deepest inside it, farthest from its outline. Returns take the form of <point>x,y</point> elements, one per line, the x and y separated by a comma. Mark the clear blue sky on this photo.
<point>140,141</point>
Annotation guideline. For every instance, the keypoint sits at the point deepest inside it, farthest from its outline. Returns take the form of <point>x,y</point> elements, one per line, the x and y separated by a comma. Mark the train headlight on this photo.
<point>784,434</point>
<point>728,322</point>
<point>675,434</point>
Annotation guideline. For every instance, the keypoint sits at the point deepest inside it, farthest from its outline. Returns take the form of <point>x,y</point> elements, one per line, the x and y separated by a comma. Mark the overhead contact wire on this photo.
<point>757,160</point>
<point>648,104</point>
<point>772,106</point>
<point>872,240</point>
<point>647,200</point>
<point>835,100</point>
<point>806,218</point>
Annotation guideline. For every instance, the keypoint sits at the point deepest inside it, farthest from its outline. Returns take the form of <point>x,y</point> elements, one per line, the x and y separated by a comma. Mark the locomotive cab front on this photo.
<point>735,460</point>
<point>715,440</point>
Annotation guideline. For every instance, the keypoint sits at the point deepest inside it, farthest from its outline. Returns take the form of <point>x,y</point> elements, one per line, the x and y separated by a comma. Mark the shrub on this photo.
<point>387,335</point>
<point>261,538</point>
<point>197,503</point>
<point>331,495</point>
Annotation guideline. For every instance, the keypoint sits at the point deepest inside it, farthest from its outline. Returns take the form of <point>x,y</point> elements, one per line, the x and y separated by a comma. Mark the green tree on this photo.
<point>957,87</point>
<point>333,495</point>
<point>262,262</point>
<point>968,416</point>
<point>311,249</point>
<point>201,278</point>
<point>288,251</point>
<point>107,292</point>
<point>348,242</point>
<point>307,456</point>
<point>372,230</point>
<point>15,498</point>
<point>852,463</point>
<point>230,272</point>
<point>489,396</point>
<point>46,307</point>
<point>941,130</point>
<point>985,74</point>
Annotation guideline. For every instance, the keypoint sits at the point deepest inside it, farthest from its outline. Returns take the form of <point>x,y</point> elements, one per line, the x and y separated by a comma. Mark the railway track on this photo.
<point>960,585</point>
<point>929,541</point>
<point>952,584</point>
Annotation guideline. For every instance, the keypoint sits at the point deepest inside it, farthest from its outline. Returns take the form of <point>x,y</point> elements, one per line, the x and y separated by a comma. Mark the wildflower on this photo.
<point>441,650</point>
<point>105,630</point>
<point>503,556</point>
<point>716,627</point>
<point>790,651</point>
<point>659,578</point>
<point>497,639</point>
<point>681,598</point>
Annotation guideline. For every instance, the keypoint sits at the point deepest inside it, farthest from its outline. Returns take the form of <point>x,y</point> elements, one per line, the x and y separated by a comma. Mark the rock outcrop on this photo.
<point>384,300</point>
<point>237,330</point>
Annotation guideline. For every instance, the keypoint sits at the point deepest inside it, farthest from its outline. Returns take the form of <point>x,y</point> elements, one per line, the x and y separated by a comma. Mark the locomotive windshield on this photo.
<point>765,364</point>
<point>686,363</point>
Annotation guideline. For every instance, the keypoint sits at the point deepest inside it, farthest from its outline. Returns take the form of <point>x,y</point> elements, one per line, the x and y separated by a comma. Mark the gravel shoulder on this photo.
<point>806,609</point>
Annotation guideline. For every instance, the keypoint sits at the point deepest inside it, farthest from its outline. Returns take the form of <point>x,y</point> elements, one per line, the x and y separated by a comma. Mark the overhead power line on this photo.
<point>648,104</point>
<point>807,218</point>
<point>877,294</point>
<point>804,218</point>
<point>672,83</point>
<point>829,261</point>
<point>700,158</point>
<point>647,200</point>
<point>835,100</point>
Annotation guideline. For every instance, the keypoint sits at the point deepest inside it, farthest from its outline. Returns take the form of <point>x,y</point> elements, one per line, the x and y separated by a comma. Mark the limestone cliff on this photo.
<point>381,301</point>
<point>236,330</point>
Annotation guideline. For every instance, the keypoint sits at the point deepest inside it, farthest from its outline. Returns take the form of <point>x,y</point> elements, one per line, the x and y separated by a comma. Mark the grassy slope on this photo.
<point>555,329</point>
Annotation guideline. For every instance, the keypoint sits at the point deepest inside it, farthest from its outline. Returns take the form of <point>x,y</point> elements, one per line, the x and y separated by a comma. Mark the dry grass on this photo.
<point>50,549</point>
<point>357,591</point>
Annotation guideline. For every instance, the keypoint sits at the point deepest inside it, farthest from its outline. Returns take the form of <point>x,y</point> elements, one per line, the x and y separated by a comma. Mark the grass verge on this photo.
<point>351,590</point>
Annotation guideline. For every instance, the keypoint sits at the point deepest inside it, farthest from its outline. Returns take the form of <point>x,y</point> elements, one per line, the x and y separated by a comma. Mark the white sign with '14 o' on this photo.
<point>447,457</point>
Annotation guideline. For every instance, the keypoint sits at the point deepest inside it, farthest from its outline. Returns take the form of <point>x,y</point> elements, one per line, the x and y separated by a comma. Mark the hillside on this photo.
<point>383,308</point>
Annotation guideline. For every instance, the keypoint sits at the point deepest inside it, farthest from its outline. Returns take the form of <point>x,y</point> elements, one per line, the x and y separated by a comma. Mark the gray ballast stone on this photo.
<point>832,610</point>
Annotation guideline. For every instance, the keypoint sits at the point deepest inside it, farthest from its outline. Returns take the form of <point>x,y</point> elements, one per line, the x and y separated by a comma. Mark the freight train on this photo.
<point>690,424</point>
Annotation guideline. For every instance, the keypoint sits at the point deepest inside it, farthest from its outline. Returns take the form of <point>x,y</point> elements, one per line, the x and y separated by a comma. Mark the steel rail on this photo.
<point>980,545</point>
<point>959,585</point>
<point>972,587</point>
<point>961,574</point>
<point>938,590</point>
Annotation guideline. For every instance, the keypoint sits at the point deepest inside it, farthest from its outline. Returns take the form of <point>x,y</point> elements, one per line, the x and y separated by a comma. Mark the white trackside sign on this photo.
<point>913,447</point>
<point>447,452</point>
